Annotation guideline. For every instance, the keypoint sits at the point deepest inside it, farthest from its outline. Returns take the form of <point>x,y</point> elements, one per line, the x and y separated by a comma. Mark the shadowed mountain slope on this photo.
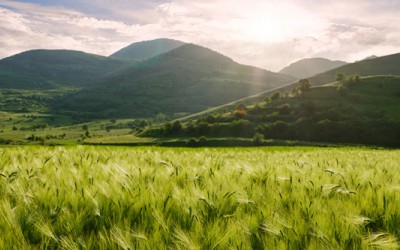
<point>147,49</point>
<point>44,69</point>
<point>185,80</point>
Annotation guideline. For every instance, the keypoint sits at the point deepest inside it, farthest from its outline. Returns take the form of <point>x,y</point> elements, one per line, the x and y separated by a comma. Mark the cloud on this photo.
<point>269,34</point>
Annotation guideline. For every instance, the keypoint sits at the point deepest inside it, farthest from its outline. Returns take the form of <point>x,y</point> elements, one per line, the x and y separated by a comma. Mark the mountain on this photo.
<point>44,69</point>
<point>310,66</point>
<point>147,49</point>
<point>187,79</point>
<point>361,111</point>
<point>370,57</point>
<point>385,65</point>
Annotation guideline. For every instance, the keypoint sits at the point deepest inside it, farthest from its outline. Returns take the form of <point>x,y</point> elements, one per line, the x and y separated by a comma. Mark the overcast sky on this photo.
<point>266,33</point>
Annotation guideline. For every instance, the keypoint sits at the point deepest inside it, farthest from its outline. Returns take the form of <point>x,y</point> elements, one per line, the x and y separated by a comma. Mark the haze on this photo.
<point>267,34</point>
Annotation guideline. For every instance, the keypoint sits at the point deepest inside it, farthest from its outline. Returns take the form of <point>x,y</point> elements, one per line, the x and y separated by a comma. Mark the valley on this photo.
<point>187,92</point>
<point>199,125</point>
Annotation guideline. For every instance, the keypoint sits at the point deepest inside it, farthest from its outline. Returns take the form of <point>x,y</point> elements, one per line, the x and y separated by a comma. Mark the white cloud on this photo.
<point>268,34</point>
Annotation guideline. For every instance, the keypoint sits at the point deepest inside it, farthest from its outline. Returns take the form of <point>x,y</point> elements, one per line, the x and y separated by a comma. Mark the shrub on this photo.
<point>203,140</point>
<point>275,96</point>
<point>285,109</point>
<point>339,77</point>
<point>258,139</point>
<point>342,89</point>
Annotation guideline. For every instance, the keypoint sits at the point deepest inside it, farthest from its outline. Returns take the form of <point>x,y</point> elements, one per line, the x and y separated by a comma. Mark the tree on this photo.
<point>267,100</point>
<point>176,127</point>
<point>258,139</point>
<point>339,77</point>
<point>241,111</point>
<point>285,109</point>
<point>275,96</point>
<point>305,85</point>
<point>85,127</point>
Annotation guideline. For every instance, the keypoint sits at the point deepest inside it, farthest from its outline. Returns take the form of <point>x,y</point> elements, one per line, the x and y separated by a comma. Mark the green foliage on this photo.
<point>285,109</point>
<point>258,139</point>
<point>304,85</point>
<point>275,96</point>
<point>160,198</point>
<point>339,77</point>
<point>362,114</point>
<point>342,89</point>
<point>385,65</point>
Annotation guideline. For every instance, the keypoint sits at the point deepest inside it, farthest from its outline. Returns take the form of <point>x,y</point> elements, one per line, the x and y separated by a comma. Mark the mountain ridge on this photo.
<point>53,68</point>
<point>187,79</point>
<point>144,50</point>
<point>310,66</point>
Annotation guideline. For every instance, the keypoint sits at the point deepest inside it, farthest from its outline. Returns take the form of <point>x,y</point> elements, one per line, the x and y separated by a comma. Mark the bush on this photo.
<point>191,142</point>
<point>275,96</point>
<point>203,140</point>
<point>342,89</point>
<point>258,139</point>
<point>285,109</point>
<point>339,77</point>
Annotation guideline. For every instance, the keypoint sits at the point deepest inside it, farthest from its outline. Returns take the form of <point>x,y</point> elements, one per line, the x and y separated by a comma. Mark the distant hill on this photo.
<point>311,66</point>
<point>185,80</point>
<point>370,57</point>
<point>364,111</point>
<point>385,65</point>
<point>147,49</point>
<point>43,69</point>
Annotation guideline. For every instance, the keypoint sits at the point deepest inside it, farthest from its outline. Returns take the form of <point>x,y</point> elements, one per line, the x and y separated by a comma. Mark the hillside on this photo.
<point>385,65</point>
<point>147,49</point>
<point>310,66</point>
<point>361,111</point>
<point>45,69</point>
<point>185,80</point>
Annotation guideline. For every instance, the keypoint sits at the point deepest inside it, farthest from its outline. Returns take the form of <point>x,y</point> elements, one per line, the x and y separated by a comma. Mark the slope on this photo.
<point>310,66</point>
<point>185,80</point>
<point>44,69</point>
<point>362,112</point>
<point>385,65</point>
<point>147,49</point>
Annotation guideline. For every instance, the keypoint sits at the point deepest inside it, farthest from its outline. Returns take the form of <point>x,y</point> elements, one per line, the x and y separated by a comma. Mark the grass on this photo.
<point>158,198</point>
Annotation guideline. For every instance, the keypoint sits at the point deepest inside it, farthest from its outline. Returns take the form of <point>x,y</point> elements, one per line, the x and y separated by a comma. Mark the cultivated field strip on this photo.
<point>85,197</point>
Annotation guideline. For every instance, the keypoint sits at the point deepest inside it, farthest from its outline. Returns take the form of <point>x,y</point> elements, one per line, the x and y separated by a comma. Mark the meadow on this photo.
<point>86,197</point>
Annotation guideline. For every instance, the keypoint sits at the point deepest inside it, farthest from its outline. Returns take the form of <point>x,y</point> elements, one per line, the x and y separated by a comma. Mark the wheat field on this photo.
<point>85,197</point>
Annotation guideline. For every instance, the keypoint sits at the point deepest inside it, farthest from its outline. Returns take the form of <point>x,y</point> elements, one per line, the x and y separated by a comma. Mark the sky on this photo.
<point>266,33</point>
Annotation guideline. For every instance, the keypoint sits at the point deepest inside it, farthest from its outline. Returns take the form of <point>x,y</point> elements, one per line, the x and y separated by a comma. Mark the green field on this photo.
<point>85,197</point>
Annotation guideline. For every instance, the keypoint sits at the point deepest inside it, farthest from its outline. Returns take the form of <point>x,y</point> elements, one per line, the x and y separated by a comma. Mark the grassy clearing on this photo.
<point>157,198</point>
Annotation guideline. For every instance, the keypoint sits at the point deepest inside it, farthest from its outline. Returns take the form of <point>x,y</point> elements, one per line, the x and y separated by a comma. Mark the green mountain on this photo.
<point>358,110</point>
<point>147,49</point>
<point>185,80</point>
<point>44,69</point>
<point>310,66</point>
<point>385,65</point>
